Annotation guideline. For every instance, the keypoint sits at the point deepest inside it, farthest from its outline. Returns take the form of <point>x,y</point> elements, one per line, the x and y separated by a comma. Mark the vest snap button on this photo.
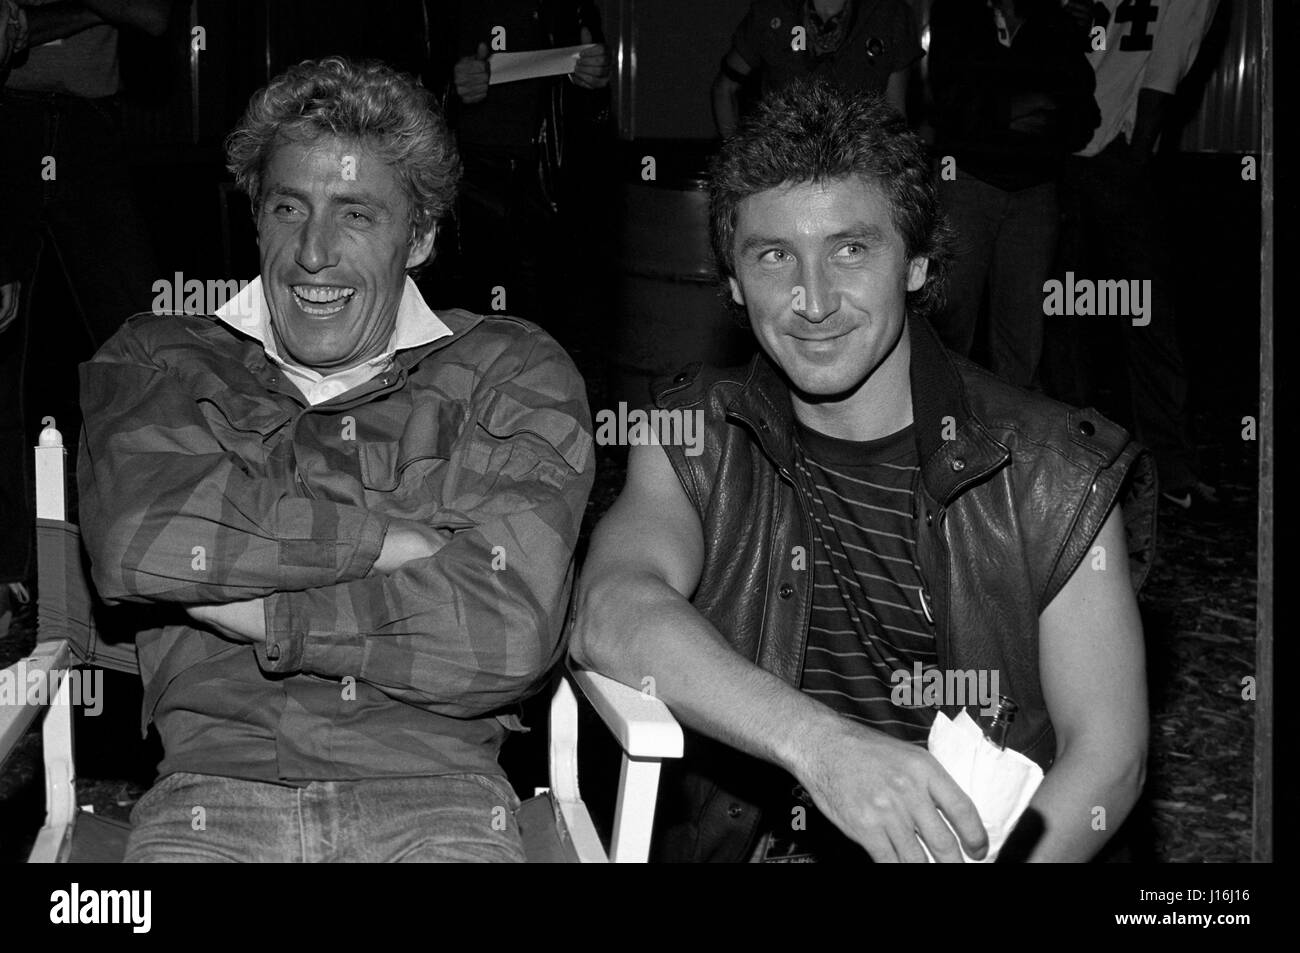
<point>929,519</point>
<point>959,464</point>
<point>1086,428</point>
<point>734,810</point>
<point>762,425</point>
<point>786,591</point>
<point>679,378</point>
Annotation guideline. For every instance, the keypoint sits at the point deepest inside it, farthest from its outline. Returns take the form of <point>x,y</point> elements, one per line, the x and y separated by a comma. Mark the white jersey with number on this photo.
<point>1150,44</point>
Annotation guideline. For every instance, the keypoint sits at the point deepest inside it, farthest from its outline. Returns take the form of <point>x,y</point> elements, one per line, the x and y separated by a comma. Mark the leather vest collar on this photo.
<point>954,446</point>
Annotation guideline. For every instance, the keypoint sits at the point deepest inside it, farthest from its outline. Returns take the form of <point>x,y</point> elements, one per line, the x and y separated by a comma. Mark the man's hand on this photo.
<point>885,793</point>
<point>1080,11</point>
<point>13,31</point>
<point>592,71</point>
<point>9,296</point>
<point>407,540</point>
<point>471,75</point>
<point>238,621</point>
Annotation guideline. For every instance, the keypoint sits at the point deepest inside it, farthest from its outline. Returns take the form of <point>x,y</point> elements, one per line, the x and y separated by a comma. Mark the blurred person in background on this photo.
<point>65,190</point>
<point>1114,228</point>
<point>1013,96</point>
<point>864,46</point>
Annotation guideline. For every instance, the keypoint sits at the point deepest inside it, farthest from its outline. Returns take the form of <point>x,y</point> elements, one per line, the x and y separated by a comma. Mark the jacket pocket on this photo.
<point>430,433</point>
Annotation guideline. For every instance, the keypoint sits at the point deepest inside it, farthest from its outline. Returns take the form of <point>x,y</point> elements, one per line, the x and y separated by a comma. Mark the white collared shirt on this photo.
<point>416,324</point>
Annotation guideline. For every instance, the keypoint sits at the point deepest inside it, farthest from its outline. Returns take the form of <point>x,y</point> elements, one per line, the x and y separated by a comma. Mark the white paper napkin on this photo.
<point>999,781</point>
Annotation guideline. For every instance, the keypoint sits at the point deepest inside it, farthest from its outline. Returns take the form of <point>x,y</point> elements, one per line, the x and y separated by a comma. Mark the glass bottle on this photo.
<point>1003,716</point>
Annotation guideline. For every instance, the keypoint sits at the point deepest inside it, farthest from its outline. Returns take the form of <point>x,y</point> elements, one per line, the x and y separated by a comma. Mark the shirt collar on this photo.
<point>416,325</point>
<point>416,322</point>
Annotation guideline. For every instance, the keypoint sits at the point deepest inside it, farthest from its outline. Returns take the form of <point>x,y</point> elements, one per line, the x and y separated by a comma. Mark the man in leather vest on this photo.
<point>866,505</point>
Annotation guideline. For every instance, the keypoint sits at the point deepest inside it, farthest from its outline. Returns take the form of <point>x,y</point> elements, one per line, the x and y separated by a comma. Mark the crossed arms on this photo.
<point>335,588</point>
<point>634,619</point>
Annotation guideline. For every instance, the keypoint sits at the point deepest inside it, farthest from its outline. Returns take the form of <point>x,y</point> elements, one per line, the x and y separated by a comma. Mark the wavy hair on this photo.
<point>388,112</point>
<point>815,132</point>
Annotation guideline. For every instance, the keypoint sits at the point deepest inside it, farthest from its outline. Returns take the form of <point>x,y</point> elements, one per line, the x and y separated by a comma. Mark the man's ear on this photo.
<point>917,269</point>
<point>737,295</point>
<point>422,247</point>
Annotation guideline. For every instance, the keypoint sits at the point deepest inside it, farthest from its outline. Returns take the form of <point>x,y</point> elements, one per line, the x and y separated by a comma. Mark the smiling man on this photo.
<point>867,503</point>
<point>354,518</point>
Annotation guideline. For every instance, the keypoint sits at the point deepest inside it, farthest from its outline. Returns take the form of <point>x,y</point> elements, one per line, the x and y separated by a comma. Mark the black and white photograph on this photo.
<point>637,431</point>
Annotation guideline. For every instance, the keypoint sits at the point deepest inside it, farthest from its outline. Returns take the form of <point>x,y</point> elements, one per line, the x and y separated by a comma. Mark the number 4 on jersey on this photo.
<point>1141,14</point>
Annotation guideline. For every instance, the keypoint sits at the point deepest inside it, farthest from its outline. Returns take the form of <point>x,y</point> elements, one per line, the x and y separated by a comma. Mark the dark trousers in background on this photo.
<point>77,213</point>
<point>1006,244</point>
<point>509,240</point>
<point>1113,229</point>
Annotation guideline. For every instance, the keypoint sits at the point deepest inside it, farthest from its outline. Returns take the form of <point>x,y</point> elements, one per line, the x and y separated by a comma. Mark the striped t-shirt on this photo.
<point>867,619</point>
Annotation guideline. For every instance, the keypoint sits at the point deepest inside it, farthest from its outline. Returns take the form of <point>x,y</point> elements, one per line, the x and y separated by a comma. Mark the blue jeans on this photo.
<point>199,818</point>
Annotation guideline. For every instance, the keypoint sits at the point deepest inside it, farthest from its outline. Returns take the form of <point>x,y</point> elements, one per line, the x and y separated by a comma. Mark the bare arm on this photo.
<point>1092,667</point>
<point>1152,111</point>
<point>634,620</point>
<point>896,91</point>
<point>151,16</point>
<point>54,21</point>
<point>726,94</point>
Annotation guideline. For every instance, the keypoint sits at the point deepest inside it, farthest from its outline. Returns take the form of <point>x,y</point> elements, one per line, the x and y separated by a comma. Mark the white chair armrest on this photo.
<point>643,725</point>
<point>18,713</point>
<point>44,674</point>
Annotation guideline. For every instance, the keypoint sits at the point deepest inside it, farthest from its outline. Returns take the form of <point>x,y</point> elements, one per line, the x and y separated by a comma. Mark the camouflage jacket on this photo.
<point>205,477</point>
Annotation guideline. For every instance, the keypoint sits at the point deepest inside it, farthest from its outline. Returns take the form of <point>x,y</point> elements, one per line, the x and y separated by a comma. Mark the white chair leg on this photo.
<point>564,776</point>
<point>54,839</point>
<point>635,813</point>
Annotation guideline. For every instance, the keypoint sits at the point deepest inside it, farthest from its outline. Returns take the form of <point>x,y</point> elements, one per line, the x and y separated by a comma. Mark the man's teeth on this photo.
<point>320,294</point>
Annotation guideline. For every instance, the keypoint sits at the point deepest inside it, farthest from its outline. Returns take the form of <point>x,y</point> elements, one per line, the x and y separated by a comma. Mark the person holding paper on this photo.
<point>867,503</point>
<point>512,136</point>
<point>865,46</point>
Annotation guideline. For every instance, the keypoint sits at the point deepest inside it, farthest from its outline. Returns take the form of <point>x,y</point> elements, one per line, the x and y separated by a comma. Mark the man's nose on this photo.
<point>815,298</point>
<point>317,245</point>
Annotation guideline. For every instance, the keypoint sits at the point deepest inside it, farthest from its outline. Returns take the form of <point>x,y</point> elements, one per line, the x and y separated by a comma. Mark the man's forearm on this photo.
<point>1081,782</point>
<point>54,21</point>
<point>726,105</point>
<point>639,630</point>
<point>148,15</point>
<point>405,541</point>
<point>1152,110</point>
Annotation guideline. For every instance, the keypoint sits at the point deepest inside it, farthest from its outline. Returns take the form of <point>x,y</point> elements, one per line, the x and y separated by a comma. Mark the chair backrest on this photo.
<point>67,606</point>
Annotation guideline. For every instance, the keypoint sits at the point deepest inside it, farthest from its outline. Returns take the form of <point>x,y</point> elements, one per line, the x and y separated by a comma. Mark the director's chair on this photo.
<point>555,824</point>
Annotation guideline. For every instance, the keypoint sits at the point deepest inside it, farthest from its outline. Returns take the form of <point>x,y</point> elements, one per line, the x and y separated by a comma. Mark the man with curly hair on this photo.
<point>352,519</point>
<point>869,511</point>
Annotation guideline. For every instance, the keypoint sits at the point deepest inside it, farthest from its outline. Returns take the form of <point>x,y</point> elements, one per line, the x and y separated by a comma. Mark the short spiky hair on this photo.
<point>815,132</point>
<point>388,112</point>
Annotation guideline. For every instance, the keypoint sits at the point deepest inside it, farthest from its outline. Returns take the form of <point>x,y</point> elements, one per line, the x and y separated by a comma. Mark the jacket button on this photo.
<point>786,591</point>
<point>273,651</point>
<point>734,810</point>
<point>762,425</point>
<point>959,464</point>
<point>929,519</point>
<point>1086,428</point>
